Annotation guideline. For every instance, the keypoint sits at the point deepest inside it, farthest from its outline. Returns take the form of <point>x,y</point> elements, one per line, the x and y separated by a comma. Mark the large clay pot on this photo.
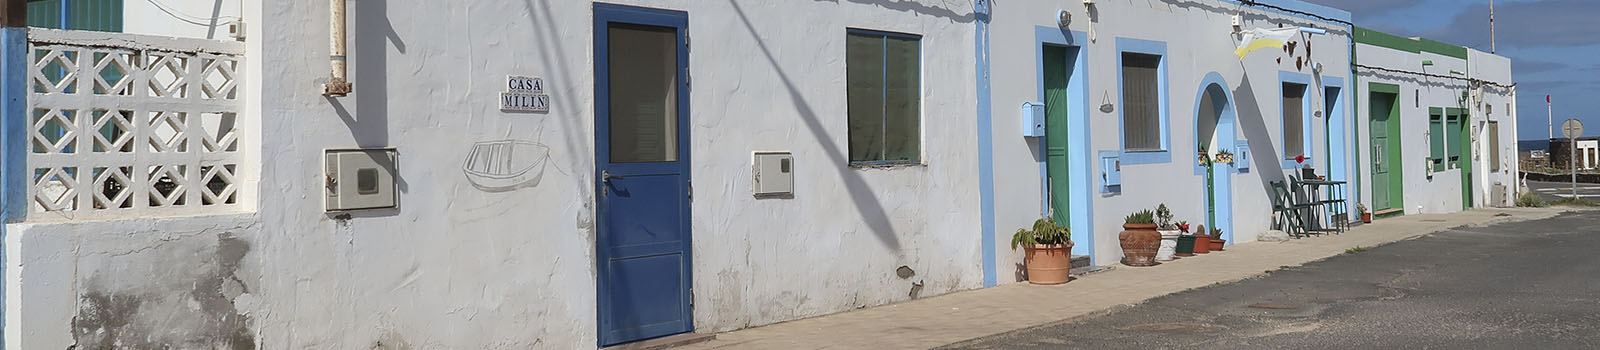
<point>1048,264</point>
<point>1169,245</point>
<point>1139,244</point>
<point>1202,244</point>
<point>1216,244</point>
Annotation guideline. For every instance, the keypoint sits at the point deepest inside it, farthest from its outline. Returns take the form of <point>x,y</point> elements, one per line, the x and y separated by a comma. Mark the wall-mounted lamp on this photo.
<point>1064,19</point>
<point>1427,63</point>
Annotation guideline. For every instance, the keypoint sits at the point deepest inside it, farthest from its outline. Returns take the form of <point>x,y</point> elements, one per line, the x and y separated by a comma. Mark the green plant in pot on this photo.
<point>1185,240</point>
<point>1048,251</point>
<point>1169,233</point>
<point>1216,240</point>
<point>1139,239</point>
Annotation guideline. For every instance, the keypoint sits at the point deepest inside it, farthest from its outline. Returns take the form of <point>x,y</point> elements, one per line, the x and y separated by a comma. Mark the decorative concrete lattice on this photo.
<point>129,125</point>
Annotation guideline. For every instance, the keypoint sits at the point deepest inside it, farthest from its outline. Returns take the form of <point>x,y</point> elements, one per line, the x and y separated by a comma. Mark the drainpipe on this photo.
<point>1355,120</point>
<point>337,85</point>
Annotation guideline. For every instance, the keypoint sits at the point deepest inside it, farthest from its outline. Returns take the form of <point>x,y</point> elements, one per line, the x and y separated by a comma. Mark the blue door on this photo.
<point>642,173</point>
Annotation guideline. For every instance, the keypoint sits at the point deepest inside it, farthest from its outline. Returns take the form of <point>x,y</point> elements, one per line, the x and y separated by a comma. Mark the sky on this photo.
<point>1554,46</point>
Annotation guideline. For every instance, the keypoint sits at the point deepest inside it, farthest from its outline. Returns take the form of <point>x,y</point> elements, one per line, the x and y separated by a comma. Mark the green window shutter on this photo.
<point>1436,138</point>
<point>1453,139</point>
<point>96,15</point>
<point>44,14</point>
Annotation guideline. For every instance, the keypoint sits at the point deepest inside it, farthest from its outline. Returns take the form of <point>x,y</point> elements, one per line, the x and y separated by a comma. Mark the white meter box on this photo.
<point>772,173</point>
<point>361,179</point>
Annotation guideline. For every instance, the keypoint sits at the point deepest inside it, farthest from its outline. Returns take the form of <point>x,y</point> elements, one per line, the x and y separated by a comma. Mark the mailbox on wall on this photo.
<point>1033,119</point>
<point>361,179</point>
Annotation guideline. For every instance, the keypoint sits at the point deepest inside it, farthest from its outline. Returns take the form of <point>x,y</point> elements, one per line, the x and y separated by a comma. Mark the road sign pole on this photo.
<point>1572,129</point>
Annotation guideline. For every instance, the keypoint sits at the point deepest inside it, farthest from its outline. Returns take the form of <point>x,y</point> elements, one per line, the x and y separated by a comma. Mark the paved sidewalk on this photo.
<point>954,317</point>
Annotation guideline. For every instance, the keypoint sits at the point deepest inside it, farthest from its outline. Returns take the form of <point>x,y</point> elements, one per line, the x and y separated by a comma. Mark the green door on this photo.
<point>1386,169</point>
<point>1055,107</point>
<point>1463,154</point>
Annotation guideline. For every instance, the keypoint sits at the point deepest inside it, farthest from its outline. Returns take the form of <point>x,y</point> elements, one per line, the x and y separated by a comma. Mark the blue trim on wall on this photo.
<point>1305,113</point>
<point>1081,203</point>
<point>1164,155</point>
<point>1228,136</point>
<point>13,140</point>
<point>980,51</point>
<point>1338,158</point>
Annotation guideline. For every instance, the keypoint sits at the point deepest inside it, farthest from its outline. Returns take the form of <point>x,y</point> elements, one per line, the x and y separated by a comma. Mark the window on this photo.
<point>1436,138</point>
<point>1452,138</point>
<point>883,82</point>
<point>1494,146</point>
<point>1141,102</point>
<point>1294,120</point>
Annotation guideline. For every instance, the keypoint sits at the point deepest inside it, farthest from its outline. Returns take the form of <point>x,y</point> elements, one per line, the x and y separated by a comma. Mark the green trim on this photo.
<point>1453,111</point>
<point>1419,45</point>
<point>1384,88</point>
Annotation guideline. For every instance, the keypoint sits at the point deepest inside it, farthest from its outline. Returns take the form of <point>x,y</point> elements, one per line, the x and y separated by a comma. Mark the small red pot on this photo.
<point>1202,244</point>
<point>1216,244</point>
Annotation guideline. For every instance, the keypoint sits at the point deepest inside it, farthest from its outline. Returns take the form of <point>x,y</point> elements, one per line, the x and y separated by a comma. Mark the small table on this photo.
<point>1334,206</point>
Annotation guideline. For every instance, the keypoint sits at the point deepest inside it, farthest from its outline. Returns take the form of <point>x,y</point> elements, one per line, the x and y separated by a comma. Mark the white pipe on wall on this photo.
<point>337,84</point>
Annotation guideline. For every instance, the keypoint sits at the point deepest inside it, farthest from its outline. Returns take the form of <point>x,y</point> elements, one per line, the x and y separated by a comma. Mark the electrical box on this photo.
<point>1110,173</point>
<point>1032,119</point>
<point>361,179</point>
<point>1241,155</point>
<point>772,173</point>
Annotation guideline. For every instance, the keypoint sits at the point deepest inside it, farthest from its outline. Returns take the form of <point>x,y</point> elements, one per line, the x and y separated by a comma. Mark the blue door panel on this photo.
<point>640,286</point>
<point>642,242</point>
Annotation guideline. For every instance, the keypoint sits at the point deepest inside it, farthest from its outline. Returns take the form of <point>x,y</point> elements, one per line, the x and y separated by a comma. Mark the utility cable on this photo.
<point>1471,80</point>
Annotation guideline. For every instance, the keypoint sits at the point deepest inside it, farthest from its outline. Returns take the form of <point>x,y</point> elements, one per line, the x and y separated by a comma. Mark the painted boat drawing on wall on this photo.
<point>505,165</point>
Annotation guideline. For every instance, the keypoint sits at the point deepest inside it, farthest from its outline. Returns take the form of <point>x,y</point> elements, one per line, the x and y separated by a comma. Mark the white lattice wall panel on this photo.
<point>130,125</point>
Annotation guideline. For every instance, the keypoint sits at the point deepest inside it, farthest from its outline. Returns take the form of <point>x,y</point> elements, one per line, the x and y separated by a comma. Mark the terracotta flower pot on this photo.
<point>1048,264</point>
<point>1139,244</point>
<point>1216,244</point>
<point>1185,245</point>
<point>1366,218</point>
<point>1202,244</point>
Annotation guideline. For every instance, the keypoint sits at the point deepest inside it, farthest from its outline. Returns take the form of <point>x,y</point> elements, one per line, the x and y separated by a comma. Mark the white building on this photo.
<point>576,174</point>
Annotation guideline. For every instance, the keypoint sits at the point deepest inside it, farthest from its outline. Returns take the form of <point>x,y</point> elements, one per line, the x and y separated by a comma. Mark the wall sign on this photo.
<point>524,94</point>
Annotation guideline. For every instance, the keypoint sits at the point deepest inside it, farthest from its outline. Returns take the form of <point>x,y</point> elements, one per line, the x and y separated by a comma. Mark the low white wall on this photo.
<point>180,283</point>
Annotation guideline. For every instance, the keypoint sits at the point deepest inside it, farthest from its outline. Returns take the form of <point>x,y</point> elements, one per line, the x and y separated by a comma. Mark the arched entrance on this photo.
<point>1214,132</point>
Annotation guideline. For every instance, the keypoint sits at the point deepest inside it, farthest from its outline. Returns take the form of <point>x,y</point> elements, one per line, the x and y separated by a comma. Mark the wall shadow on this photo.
<point>861,194</point>
<point>914,7</point>
<point>1252,121</point>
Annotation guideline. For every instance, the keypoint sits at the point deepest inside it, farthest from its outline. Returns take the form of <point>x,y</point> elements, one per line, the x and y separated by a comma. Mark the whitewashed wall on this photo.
<point>1442,192</point>
<point>203,19</point>
<point>461,268</point>
<point>1198,39</point>
<point>1496,106</point>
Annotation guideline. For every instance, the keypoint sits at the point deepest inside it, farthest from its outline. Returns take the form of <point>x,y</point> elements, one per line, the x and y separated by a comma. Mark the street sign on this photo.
<point>1572,128</point>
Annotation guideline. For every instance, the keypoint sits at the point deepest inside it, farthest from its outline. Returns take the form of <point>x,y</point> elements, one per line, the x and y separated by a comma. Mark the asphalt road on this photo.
<point>1528,285</point>
<point>1551,191</point>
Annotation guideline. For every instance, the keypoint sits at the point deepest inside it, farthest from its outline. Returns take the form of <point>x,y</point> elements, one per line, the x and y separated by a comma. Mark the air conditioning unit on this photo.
<point>1497,195</point>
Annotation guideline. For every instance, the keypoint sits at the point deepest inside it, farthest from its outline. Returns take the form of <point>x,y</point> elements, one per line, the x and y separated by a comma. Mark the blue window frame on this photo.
<point>1134,56</point>
<point>1295,137</point>
<point>883,88</point>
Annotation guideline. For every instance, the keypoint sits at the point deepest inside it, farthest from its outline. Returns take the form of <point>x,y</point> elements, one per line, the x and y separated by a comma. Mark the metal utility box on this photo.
<point>1110,173</point>
<point>1033,119</point>
<point>361,179</point>
<point>772,173</point>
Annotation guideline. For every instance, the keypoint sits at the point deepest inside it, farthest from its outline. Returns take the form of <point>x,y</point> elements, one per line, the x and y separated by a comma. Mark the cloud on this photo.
<point>1523,66</point>
<point>1361,9</point>
<point>1525,24</point>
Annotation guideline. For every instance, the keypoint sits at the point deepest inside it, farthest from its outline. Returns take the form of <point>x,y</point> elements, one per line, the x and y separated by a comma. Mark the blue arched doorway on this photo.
<point>1214,130</point>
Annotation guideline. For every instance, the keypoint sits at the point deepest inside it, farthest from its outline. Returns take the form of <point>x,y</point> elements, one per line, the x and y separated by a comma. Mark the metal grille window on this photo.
<point>1141,94</point>
<point>883,82</point>
<point>1294,122</point>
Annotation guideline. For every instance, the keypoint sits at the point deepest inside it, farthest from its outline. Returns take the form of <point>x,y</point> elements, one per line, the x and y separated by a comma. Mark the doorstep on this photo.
<point>670,341</point>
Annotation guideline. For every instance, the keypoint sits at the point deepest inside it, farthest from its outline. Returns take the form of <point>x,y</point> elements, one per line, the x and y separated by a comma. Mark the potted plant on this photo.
<point>1216,239</point>
<point>1169,233</point>
<point>1202,241</point>
<point>1366,216</point>
<point>1185,240</point>
<point>1224,157</point>
<point>1139,239</point>
<point>1047,251</point>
